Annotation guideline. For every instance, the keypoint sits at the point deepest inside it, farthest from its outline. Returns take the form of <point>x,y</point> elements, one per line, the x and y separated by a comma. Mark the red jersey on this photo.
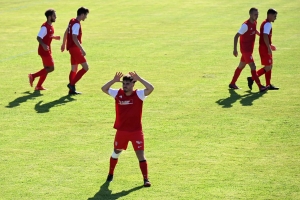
<point>128,111</point>
<point>70,42</point>
<point>262,43</point>
<point>47,39</point>
<point>247,40</point>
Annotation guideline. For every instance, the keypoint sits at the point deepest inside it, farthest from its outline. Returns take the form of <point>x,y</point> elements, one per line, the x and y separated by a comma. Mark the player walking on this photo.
<point>72,39</point>
<point>247,35</point>
<point>44,38</point>
<point>129,105</point>
<point>266,48</point>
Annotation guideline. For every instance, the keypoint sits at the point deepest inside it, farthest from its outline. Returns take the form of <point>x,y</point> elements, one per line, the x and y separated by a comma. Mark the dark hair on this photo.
<point>272,11</point>
<point>128,78</point>
<point>252,10</point>
<point>82,10</point>
<point>49,12</point>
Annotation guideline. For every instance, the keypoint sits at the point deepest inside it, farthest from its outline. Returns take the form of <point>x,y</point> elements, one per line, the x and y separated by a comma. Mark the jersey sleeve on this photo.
<point>267,28</point>
<point>243,29</point>
<point>113,92</point>
<point>75,29</point>
<point>141,94</point>
<point>43,32</point>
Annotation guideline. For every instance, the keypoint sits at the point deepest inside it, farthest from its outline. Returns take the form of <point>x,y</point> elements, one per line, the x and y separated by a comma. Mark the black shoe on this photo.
<point>71,87</point>
<point>147,183</point>
<point>233,86</point>
<point>263,89</point>
<point>74,93</point>
<point>110,178</point>
<point>273,87</point>
<point>250,82</point>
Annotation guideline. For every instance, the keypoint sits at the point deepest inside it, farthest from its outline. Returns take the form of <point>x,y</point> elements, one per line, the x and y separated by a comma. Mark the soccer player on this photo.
<point>44,38</point>
<point>266,48</point>
<point>129,105</point>
<point>72,39</point>
<point>247,35</point>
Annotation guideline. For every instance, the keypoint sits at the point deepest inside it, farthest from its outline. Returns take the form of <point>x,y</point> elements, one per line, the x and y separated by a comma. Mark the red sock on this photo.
<point>72,76</point>
<point>144,168</point>
<point>40,73</point>
<point>236,75</point>
<point>78,76</point>
<point>255,78</point>
<point>112,164</point>
<point>260,72</point>
<point>268,77</point>
<point>41,80</point>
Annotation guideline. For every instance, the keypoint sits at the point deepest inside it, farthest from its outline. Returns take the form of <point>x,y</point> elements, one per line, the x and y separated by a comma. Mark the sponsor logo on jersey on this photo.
<point>126,102</point>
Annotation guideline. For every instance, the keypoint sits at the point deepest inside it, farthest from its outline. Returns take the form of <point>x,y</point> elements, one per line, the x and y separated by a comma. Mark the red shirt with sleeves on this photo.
<point>128,112</point>
<point>47,40</point>
<point>247,40</point>
<point>70,42</point>
<point>262,44</point>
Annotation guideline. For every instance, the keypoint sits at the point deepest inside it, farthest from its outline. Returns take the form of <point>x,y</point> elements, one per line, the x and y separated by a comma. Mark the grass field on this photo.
<point>203,141</point>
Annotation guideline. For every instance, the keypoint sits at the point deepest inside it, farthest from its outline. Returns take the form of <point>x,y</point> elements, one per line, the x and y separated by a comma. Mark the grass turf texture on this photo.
<point>203,141</point>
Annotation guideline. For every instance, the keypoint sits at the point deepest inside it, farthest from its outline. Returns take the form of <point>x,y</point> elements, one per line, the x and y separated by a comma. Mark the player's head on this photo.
<point>128,83</point>
<point>271,15</point>
<point>82,13</point>
<point>50,15</point>
<point>253,12</point>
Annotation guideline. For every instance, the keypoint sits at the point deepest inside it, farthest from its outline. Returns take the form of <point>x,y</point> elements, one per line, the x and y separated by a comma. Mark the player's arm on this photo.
<point>75,39</point>
<point>41,35</point>
<point>257,33</point>
<point>266,40</point>
<point>63,46</point>
<point>149,87</point>
<point>107,85</point>
<point>235,41</point>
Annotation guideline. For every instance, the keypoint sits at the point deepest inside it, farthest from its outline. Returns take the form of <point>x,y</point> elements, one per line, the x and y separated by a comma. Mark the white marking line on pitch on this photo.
<point>17,56</point>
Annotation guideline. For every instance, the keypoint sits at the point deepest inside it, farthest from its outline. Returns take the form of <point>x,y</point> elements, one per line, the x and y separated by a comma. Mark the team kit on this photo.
<point>129,101</point>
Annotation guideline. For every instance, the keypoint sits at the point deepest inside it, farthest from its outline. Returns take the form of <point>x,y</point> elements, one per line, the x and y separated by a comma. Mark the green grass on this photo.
<point>203,141</point>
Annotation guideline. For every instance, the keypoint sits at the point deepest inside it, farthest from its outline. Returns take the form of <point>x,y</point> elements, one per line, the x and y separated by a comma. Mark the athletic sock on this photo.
<point>144,168</point>
<point>41,80</point>
<point>268,77</point>
<point>236,75</point>
<point>71,76</point>
<point>260,72</point>
<point>255,78</point>
<point>112,164</point>
<point>40,73</point>
<point>78,76</point>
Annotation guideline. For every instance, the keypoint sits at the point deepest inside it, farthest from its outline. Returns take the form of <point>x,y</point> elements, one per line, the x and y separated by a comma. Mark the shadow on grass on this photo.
<point>105,194</point>
<point>24,98</point>
<point>245,100</point>
<point>43,108</point>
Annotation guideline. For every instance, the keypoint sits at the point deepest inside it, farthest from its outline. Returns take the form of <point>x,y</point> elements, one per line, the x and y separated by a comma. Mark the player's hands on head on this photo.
<point>118,77</point>
<point>134,76</point>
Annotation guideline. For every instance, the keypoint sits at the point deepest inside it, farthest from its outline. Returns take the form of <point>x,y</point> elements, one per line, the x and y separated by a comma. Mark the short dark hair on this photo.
<point>252,10</point>
<point>128,78</point>
<point>82,10</point>
<point>49,12</point>
<point>272,11</point>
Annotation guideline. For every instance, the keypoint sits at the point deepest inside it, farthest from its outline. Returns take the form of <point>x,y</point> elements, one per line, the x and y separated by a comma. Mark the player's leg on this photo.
<point>137,140</point>
<point>268,76</point>
<point>120,143</point>
<point>73,72</point>
<point>237,73</point>
<point>255,78</point>
<point>80,73</point>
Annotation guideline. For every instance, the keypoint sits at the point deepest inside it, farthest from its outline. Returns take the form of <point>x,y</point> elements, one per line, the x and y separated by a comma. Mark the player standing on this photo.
<point>72,39</point>
<point>266,48</point>
<point>44,38</point>
<point>247,35</point>
<point>129,105</point>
